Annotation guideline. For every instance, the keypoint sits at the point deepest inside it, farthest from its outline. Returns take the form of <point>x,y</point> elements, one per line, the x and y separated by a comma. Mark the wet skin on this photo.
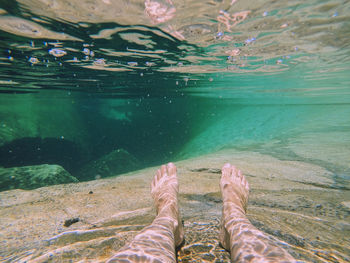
<point>245,242</point>
<point>157,242</point>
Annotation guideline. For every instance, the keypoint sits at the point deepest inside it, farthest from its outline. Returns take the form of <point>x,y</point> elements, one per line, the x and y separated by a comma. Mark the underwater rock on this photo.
<point>36,130</point>
<point>31,177</point>
<point>71,221</point>
<point>116,162</point>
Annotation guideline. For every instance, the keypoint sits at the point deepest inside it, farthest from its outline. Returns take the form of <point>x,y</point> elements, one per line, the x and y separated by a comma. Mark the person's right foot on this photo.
<point>245,242</point>
<point>234,189</point>
<point>234,186</point>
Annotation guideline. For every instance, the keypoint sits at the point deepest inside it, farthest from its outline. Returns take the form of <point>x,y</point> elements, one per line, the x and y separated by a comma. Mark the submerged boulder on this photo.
<point>31,177</point>
<point>114,163</point>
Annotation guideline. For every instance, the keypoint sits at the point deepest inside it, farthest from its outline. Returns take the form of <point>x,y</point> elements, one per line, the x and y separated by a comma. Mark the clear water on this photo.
<point>166,80</point>
<point>137,83</point>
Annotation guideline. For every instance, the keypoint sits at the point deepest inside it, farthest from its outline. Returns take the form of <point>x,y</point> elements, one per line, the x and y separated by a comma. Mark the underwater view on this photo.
<point>95,95</point>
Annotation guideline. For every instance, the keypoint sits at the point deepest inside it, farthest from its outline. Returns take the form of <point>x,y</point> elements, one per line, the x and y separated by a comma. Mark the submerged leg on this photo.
<point>157,242</point>
<point>238,235</point>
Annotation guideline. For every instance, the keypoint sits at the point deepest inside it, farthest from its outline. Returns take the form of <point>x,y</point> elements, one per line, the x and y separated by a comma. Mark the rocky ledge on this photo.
<point>298,204</point>
<point>31,177</point>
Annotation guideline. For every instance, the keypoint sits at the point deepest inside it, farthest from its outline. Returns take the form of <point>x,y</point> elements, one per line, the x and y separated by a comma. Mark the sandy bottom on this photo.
<point>299,204</point>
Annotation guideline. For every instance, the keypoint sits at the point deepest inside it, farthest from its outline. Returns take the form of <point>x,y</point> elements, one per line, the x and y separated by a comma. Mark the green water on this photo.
<point>81,80</point>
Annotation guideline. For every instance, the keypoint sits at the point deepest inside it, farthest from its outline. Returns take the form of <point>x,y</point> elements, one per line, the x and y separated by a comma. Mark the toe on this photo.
<point>163,169</point>
<point>226,169</point>
<point>171,169</point>
<point>159,175</point>
<point>243,180</point>
<point>226,166</point>
<point>240,175</point>
<point>155,178</point>
<point>246,184</point>
<point>234,171</point>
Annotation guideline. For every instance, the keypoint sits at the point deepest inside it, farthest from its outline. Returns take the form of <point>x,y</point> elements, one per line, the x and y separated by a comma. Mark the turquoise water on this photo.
<point>165,81</point>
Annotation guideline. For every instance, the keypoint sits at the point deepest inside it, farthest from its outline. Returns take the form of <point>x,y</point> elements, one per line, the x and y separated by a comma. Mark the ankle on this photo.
<point>231,212</point>
<point>168,209</point>
<point>234,208</point>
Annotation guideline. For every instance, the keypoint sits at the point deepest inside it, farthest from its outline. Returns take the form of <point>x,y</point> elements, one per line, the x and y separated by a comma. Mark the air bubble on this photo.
<point>186,80</point>
<point>100,62</point>
<point>132,64</point>
<point>219,34</point>
<point>57,52</point>
<point>250,40</point>
<point>86,51</point>
<point>150,64</point>
<point>33,60</point>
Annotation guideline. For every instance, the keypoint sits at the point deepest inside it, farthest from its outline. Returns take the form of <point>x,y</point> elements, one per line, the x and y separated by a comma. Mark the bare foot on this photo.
<point>234,186</point>
<point>235,189</point>
<point>245,242</point>
<point>164,191</point>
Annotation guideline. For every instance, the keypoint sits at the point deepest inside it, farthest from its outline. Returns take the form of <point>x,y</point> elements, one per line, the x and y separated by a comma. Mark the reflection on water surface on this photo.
<point>102,45</point>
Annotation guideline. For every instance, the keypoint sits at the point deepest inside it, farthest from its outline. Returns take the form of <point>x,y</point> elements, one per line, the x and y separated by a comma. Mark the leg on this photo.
<point>238,235</point>
<point>157,242</point>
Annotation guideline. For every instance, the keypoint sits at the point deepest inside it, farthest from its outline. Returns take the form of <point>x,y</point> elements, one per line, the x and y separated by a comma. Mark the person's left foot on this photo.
<point>164,191</point>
